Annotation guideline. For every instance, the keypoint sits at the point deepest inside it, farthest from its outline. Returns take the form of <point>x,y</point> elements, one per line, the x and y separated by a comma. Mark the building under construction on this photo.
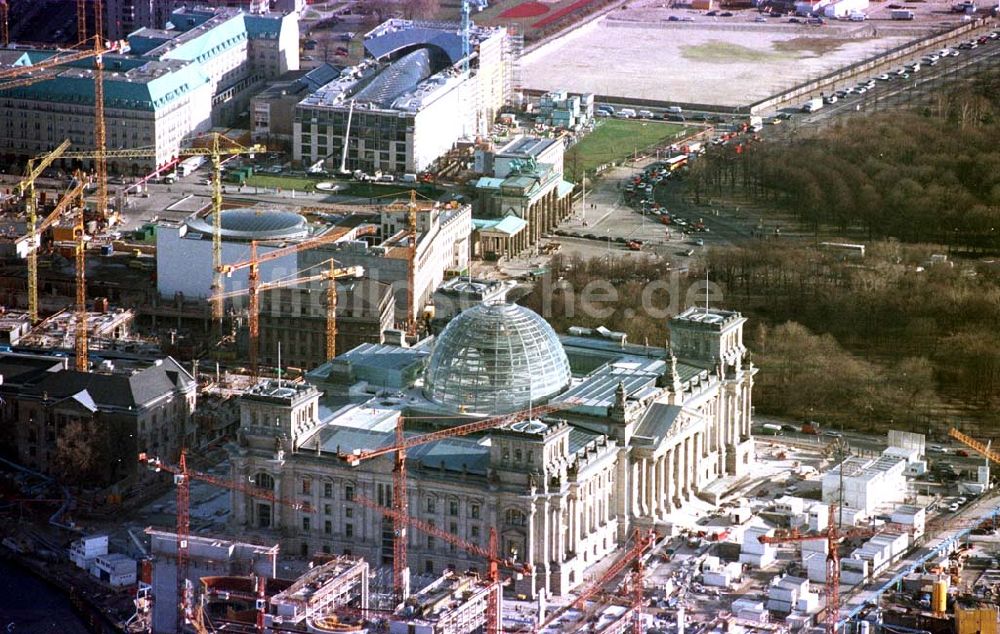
<point>416,93</point>
<point>327,597</point>
<point>453,604</point>
<point>375,239</point>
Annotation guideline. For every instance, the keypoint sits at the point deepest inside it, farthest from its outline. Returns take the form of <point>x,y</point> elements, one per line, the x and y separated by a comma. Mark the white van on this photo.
<point>626,113</point>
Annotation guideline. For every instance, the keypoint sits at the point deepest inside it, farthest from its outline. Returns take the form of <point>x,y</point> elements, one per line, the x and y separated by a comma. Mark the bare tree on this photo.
<point>76,450</point>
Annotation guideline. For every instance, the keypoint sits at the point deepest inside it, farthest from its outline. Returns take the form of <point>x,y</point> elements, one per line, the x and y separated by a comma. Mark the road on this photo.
<point>893,93</point>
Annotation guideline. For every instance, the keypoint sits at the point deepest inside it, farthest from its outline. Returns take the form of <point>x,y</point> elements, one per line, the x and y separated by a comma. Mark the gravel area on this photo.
<point>730,61</point>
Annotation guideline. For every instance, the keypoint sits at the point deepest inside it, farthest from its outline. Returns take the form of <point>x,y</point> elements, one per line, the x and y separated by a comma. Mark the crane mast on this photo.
<point>81,356</point>
<point>400,568</point>
<point>27,188</point>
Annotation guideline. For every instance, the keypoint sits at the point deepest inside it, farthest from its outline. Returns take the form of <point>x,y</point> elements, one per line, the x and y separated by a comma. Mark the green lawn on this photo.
<point>299,183</point>
<point>615,140</point>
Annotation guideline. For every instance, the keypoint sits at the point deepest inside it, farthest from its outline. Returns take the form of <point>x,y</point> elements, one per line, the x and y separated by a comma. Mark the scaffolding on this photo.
<point>340,582</point>
<point>453,604</point>
<point>513,76</point>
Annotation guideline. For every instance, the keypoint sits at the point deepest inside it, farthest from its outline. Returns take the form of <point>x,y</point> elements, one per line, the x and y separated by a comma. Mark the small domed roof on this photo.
<point>496,359</point>
<point>254,224</point>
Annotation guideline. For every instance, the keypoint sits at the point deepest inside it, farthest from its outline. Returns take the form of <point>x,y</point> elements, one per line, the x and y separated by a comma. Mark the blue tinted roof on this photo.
<point>139,94</point>
<point>391,42</point>
<point>263,26</point>
<point>208,44</point>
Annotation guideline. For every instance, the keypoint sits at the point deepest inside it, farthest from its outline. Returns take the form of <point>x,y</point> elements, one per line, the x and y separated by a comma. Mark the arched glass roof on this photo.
<point>496,359</point>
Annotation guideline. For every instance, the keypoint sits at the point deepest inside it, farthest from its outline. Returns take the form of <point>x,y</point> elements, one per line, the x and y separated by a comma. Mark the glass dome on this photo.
<point>496,359</point>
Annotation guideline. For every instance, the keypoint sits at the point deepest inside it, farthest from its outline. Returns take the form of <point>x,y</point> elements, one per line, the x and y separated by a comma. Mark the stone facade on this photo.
<point>643,439</point>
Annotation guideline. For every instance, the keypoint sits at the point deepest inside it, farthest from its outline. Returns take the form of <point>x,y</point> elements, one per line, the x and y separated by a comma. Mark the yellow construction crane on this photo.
<point>26,188</point>
<point>253,286</point>
<point>330,276</point>
<point>65,58</point>
<point>80,235</point>
<point>220,146</point>
<point>412,209</point>
<point>100,131</point>
<point>73,194</point>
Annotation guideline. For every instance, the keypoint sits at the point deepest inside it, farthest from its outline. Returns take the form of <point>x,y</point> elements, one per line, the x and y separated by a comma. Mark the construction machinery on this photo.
<point>64,58</point>
<point>253,283</point>
<point>400,567</point>
<point>491,553</point>
<point>467,29</point>
<point>26,188</point>
<point>182,478</point>
<point>81,355</point>
<point>641,542</point>
<point>48,69</point>
<point>100,131</point>
<point>975,445</point>
<point>833,535</point>
<point>215,151</point>
<point>330,276</point>
<point>412,209</point>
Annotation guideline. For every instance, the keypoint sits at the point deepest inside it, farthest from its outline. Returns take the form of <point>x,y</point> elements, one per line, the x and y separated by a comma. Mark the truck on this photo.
<point>756,123</point>
<point>813,104</point>
<point>811,428</point>
<point>189,165</point>
<point>902,14</point>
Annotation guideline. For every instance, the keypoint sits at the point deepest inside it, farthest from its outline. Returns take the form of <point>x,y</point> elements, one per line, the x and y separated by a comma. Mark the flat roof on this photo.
<point>528,145</point>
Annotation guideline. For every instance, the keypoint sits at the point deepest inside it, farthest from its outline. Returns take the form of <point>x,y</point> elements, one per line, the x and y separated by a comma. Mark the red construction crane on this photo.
<point>399,497</point>
<point>641,542</point>
<point>490,553</point>
<point>833,536</point>
<point>182,478</point>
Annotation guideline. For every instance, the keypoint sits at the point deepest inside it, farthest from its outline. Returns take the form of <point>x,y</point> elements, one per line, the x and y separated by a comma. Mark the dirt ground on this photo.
<point>638,52</point>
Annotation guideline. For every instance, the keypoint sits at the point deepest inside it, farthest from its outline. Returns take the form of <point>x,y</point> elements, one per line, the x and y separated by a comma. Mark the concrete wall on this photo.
<point>898,54</point>
<point>185,266</point>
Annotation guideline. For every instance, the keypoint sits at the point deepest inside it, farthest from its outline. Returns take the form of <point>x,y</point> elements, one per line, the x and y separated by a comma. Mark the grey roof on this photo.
<point>657,420</point>
<point>254,224</point>
<point>455,453</point>
<point>597,390</point>
<point>384,356</point>
<point>17,369</point>
<point>119,391</point>
<point>528,145</point>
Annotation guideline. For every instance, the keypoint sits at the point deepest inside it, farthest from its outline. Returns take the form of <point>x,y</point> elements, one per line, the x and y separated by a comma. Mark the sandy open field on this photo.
<point>725,61</point>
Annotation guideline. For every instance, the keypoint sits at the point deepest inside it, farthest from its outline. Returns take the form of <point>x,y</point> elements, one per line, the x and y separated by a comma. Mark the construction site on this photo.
<point>291,439</point>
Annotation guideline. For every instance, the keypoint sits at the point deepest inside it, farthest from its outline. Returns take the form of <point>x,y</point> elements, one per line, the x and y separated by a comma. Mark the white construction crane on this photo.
<point>467,29</point>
